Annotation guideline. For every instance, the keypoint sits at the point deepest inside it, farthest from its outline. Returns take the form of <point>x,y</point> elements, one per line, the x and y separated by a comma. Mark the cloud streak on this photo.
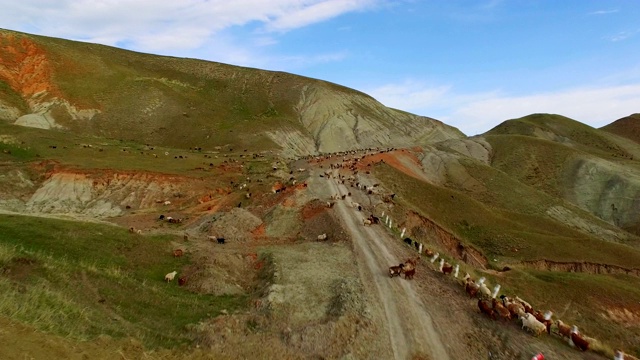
<point>166,25</point>
<point>604,12</point>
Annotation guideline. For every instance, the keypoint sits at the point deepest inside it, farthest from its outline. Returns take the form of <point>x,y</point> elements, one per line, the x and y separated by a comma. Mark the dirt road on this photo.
<point>410,327</point>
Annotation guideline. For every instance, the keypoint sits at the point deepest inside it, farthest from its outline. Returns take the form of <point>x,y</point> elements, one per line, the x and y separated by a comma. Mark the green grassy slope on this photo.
<point>82,280</point>
<point>179,102</point>
<point>628,127</point>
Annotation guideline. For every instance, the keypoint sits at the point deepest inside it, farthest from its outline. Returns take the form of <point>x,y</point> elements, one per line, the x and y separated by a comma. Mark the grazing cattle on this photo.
<point>428,252</point>
<point>408,241</point>
<point>374,219</point>
<point>182,280</point>
<point>185,237</point>
<point>485,308</point>
<point>220,240</point>
<point>395,270</point>
<point>170,276</point>
<point>178,253</point>
<point>161,217</point>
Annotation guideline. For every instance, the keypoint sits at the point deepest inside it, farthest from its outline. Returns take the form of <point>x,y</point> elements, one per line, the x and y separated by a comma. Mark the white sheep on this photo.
<point>484,290</point>
<point>322,237</point>
<point>138,231</point>
<point>532,324</point>
<point>366,222</point>
<point>167,202</point>
<point>435,256</point>
<point>455,271</point>
<point>170,276</point>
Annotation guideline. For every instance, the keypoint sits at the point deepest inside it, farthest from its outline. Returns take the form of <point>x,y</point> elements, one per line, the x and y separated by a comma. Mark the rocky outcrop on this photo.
<point>108,194</point>
<point>426,228</point>
<point>580,267</point>
<point>606,189</point>
<point>342,120</point>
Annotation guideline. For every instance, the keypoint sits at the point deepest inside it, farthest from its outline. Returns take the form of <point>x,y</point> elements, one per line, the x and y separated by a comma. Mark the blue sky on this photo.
<point>471,64</point>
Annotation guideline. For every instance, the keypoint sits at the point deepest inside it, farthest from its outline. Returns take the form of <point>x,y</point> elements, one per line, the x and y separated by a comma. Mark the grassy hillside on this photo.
<point>82,280</point>
<point>509,226</point>
<point>628,127</point>
<point>175,102</point>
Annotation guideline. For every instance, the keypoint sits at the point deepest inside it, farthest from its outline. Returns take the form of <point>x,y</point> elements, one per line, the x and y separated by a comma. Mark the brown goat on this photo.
<point>578,340</point>
<point>395,270</point>
<point>408,273</point>
<point>447,268</point>
<point>471,288</point>
<point>563,329</point>
<point>485,308</point>
<point>501,309</point>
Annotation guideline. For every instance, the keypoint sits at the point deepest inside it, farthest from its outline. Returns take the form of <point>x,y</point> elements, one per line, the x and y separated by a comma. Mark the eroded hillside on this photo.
<point>98,90</point>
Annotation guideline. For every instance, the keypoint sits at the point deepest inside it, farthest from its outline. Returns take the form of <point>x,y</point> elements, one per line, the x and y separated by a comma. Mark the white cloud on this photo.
<point>317,12</point>
<point>165,25</point>
<point>623,35</point>
<point>604,12</point>
<point>476,113</point>
<point>409,95</point>
<point>593,106</point>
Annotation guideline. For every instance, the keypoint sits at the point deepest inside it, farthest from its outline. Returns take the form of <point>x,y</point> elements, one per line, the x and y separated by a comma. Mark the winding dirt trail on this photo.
<point>410,327</point>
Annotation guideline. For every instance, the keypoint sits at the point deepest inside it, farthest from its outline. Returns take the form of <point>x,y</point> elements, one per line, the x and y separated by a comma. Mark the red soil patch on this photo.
<point>312,209</point>
<point>259,232</point>
<point>25,67</point>
<point>288,202</point>
<point>403,160</point>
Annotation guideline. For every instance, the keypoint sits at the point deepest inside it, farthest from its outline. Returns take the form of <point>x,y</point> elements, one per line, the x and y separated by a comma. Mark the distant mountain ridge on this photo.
<point>95,89</point>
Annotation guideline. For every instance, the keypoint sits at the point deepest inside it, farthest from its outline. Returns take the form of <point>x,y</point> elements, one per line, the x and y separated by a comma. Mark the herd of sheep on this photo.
<point>502,307</point>
<point>508,308</point>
